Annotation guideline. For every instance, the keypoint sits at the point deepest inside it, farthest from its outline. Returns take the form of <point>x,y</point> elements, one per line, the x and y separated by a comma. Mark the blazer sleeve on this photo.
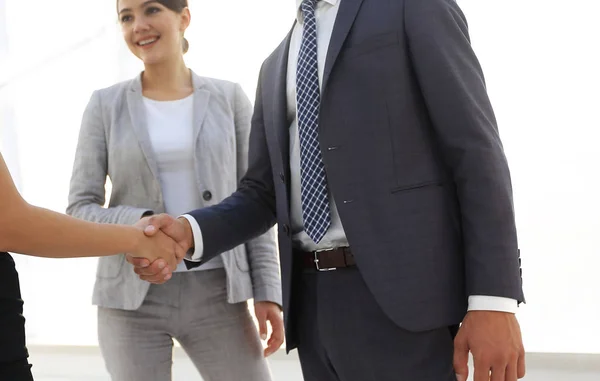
<point>262,251</point>
<point>454,91</point>
<point>87,193</point>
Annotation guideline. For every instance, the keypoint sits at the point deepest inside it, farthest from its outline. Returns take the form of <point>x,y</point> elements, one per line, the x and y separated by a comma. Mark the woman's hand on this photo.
<point>179,230</point>
<point>160,246</point>
<point>270,312</point>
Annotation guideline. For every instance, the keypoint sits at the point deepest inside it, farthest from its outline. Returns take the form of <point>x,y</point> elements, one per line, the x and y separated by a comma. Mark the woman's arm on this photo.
<point>262,251</point>
<point>90,168</point>
<point>27,229</point>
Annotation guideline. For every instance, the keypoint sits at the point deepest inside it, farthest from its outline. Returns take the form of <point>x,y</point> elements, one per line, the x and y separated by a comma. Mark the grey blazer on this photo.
<point>114,142</point>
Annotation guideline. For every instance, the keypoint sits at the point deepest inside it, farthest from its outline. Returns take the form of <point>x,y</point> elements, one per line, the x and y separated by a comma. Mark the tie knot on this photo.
<point>309,5</point>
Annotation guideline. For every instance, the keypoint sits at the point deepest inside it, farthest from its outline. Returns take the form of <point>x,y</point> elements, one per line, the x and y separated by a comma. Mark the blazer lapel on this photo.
<point>276,87</point>
<point>137,113</point>
<point>135,103</point>
<point>201,98</point>
<point>344,20</point>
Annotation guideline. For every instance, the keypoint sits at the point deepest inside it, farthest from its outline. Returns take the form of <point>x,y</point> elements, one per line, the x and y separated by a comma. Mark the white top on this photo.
<point>325,14</point>
<point>171,129</point>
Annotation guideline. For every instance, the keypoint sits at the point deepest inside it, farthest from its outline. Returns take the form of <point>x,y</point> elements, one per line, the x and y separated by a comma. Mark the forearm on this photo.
<point>236,220</point>
<point>121,214</point>
<point>40,232</point>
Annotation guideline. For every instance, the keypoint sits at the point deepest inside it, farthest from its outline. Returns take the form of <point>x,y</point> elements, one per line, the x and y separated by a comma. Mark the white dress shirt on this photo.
<point>326,13</point>
<point>171,130</point>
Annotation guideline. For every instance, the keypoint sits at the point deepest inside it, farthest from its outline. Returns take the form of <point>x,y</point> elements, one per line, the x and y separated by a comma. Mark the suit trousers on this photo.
<point>220,338</point>
<point>13,352</point>
<point>343,335</point>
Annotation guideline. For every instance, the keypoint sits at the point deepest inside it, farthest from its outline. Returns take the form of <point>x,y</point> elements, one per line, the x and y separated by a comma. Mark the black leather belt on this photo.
<point>327,260</point>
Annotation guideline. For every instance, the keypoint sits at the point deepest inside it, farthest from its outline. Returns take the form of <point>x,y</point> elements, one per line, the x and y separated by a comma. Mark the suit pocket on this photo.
<point>110,267</point>
<point>426,184</point>
<point>241,259</point>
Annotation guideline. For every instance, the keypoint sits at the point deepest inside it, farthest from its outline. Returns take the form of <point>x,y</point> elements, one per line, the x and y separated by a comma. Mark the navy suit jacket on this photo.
<point>418,170</point>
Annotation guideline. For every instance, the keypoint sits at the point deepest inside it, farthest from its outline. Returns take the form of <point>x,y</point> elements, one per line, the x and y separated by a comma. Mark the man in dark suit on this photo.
<point>375,149</point>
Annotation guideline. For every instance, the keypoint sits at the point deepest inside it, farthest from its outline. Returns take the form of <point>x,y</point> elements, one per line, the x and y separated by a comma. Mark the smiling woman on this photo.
<point>150,8</point>
<point>173,141</point>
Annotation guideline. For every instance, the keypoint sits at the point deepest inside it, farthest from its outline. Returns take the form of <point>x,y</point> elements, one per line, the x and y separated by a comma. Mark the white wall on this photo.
<point>541,63</point>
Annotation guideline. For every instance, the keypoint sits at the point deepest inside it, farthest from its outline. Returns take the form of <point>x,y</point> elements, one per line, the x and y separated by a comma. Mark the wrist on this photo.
<point>136,240</point>
<point>189,234</point>
<point>268,303</point>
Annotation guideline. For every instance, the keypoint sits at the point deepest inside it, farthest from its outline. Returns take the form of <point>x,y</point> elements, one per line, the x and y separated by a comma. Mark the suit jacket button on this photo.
<point>286,229</point>
<point>207,196</point>
<point>282,177</point>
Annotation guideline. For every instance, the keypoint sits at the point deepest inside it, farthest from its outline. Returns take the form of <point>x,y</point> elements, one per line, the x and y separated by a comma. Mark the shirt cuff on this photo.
<point>492,303</point>
<point>195,254</point>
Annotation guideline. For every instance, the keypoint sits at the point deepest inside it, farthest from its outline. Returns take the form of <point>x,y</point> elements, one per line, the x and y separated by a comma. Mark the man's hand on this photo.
<point>178,229</point>
<point>158,247</point>
<point>494,339</point>
<point>267,311</point>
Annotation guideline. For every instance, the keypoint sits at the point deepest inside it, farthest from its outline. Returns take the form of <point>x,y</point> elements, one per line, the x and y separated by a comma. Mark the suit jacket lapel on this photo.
<point>343,22</point>
<point>201,98</point>
<point>137,113</point>
<point>276,86</point>
<point>135,103</point>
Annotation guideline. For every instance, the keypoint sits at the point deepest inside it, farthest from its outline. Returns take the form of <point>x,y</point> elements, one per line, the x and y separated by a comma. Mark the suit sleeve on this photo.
<point>250,211</point>
<point>87,193</point>
<point>454,91</point>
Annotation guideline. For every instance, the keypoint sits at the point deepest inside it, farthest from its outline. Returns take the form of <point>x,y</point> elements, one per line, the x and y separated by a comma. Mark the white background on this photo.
<point>542,67</point>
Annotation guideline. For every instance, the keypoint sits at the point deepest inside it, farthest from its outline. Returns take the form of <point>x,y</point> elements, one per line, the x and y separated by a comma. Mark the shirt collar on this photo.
<point>299,16</point>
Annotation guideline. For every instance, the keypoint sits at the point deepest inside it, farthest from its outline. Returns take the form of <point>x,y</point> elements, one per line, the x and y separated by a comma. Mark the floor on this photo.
<point>85,364</point>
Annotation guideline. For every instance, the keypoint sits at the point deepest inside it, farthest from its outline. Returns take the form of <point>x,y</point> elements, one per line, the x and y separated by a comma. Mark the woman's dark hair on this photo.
<point>176,6</point>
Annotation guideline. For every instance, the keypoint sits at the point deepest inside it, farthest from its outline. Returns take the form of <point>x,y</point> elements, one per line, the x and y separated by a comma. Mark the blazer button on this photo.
<point>282,177</point>
<point>207,196</point>
<point>286,229</point>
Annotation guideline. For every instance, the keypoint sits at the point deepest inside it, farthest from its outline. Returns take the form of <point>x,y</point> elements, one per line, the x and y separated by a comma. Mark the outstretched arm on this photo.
<point>27,229</point>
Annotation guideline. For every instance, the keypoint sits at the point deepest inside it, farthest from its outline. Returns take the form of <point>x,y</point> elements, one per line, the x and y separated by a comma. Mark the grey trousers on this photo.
<point>220,338</point>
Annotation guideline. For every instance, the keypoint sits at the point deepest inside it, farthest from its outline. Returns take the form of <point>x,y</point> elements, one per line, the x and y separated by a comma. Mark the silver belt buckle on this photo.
<point>316,260</point>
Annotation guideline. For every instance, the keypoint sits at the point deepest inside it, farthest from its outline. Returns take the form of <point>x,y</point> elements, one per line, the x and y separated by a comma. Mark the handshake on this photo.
<point>165,243</point>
